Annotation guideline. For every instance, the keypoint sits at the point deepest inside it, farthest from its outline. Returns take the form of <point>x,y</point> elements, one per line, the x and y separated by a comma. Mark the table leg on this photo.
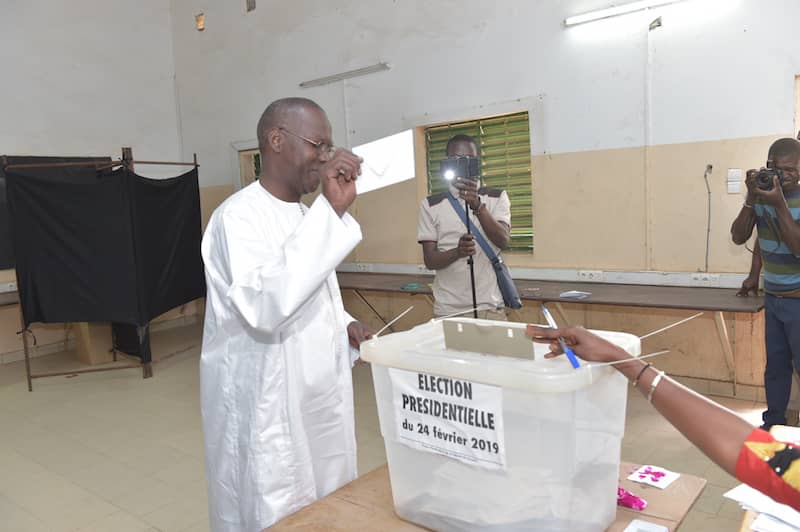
<point>26,347</point>
<point>727,349</point>
<point>564,321</point>
<point>364,300</point>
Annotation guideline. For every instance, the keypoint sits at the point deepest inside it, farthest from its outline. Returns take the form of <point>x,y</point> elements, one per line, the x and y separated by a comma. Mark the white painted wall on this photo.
<point>89,76</point>
<point>86,77</point>
<point>715,69</point>
<point>725,69</point>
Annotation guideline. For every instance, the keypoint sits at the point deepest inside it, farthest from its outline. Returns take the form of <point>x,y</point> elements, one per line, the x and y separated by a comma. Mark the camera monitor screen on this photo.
<point>453,167</point>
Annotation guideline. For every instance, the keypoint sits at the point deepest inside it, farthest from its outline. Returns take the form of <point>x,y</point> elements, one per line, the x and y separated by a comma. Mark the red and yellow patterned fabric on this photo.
<point>771,467</point>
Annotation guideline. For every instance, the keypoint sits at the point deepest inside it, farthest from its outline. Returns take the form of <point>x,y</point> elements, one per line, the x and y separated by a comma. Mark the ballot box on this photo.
<point>483,433</point>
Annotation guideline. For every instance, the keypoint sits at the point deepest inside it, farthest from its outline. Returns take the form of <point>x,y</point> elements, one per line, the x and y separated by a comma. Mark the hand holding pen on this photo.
<point>563,344</point>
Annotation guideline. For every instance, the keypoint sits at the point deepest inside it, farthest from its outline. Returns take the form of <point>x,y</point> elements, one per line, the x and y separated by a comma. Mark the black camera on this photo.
<point>764,179</point>
<point>453,167</point>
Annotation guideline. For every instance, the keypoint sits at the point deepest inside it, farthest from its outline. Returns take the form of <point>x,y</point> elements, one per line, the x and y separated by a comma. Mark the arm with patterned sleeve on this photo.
<point>752,455</point>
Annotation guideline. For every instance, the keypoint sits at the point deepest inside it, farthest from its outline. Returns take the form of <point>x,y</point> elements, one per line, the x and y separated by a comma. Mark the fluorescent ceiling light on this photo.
<point>614,11</point>
<point>378,67</point>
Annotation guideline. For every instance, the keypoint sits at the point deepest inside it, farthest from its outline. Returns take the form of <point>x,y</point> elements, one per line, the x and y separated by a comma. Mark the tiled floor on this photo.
<point>112,452</point>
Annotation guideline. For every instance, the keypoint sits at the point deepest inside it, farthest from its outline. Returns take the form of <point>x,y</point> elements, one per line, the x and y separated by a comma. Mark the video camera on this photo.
<point>764,179</point>
<point>464,166</point>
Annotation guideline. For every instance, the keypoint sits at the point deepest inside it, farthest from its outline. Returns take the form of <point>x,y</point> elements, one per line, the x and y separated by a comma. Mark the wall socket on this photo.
<point>590,276</point>
<point>362,267</point>
<point>705,279</point>
<point>8,287</point>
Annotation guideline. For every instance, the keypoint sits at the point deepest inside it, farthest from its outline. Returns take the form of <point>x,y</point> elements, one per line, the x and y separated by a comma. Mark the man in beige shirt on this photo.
<point>446,244</point>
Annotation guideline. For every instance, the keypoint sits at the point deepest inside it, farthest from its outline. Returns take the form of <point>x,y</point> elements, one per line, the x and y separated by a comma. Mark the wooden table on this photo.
<point>716,300</point>
<point>366,504</point>
<point>747,520</point>
<point>627,295</point>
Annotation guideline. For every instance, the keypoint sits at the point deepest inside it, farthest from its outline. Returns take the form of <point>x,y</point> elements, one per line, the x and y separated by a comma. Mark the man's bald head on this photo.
<point>279,114</point>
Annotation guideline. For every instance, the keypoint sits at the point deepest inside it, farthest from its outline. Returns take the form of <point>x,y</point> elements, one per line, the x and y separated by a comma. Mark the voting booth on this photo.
<point>483,433</point>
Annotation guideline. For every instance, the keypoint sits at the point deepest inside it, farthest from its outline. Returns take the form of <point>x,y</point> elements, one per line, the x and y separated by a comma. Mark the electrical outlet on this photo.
<point>590,276</point>
<point>362,267</point>
<point>705,279</point>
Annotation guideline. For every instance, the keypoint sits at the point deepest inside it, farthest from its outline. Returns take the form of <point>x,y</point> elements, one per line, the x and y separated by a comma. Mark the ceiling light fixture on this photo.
<point>616,10</point>
<point>378,67</point>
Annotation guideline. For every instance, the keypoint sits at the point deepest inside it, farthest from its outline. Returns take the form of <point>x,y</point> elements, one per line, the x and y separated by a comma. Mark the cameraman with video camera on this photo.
<point>773,206</point>
<point>446,245</point>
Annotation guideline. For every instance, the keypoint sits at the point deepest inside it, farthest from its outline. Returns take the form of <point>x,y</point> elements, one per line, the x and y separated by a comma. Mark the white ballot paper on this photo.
<point>387,161</point>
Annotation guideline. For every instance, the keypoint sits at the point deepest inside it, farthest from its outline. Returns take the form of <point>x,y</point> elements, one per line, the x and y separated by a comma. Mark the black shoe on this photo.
<point>766,426</point>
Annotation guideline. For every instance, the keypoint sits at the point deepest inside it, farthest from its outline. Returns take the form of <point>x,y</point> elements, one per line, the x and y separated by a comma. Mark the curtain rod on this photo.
<point>101,165</point>
<point>166,163</point>
<point>52,165</point>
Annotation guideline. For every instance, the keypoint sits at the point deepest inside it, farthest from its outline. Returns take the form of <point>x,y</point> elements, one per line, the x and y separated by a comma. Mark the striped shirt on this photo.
<point>781,266</point>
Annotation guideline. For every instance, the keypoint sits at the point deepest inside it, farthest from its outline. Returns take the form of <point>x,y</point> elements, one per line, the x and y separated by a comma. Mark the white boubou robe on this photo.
<point>275,371</point>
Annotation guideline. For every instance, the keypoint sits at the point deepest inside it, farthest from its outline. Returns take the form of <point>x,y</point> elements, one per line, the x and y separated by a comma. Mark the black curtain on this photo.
<point>167,234</point>
<point>6,255</point>
<point>6,248</point>
<point>111,246</point>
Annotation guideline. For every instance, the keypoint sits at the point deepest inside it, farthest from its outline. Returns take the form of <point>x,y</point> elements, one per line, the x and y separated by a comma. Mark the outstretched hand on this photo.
<point>585,344</point>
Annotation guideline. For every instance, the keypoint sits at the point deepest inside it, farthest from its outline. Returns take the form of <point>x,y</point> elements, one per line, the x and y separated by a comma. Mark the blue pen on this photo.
<point>564,347</point>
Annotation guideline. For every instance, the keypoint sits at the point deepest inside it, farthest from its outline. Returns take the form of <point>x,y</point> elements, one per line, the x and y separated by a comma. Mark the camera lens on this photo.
<point>764,178</point>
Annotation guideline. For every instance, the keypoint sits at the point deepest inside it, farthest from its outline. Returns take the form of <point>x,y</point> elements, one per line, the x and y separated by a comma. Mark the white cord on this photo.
<point>406,311</point>
<point>708,225</point>
<point>630,359</point>
<point>648,335</point>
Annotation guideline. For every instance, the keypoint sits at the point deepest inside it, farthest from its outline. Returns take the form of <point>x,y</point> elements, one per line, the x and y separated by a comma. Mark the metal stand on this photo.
<point>471,263</point>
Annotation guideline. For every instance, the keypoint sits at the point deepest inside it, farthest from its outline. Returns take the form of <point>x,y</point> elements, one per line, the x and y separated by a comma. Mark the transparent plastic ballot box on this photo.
<point>482,433</point>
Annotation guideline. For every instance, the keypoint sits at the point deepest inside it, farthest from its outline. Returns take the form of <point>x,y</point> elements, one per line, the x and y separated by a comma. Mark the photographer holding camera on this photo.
<point>773,206</point>
<point>446,244</point>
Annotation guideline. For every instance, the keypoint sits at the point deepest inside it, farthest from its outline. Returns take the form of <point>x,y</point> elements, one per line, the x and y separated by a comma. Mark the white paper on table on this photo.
<point>387,161</point>
<point>574,294</point>
<point>758,502</point>
<point>767,523</point>
<point>654,476</point>
<point>637,525</point>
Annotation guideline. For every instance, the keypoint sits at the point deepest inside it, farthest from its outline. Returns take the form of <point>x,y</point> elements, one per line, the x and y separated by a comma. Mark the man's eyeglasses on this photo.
<point>324,149</point>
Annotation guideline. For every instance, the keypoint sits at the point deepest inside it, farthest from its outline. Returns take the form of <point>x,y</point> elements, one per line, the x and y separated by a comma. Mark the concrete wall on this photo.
<point>623,120</point>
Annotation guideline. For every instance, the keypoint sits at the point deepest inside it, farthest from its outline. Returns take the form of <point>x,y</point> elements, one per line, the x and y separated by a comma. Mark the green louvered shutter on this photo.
<point>505,149</point>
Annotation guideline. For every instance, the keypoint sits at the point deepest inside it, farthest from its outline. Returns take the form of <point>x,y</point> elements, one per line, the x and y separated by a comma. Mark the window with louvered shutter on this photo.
<point>505,149</point>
